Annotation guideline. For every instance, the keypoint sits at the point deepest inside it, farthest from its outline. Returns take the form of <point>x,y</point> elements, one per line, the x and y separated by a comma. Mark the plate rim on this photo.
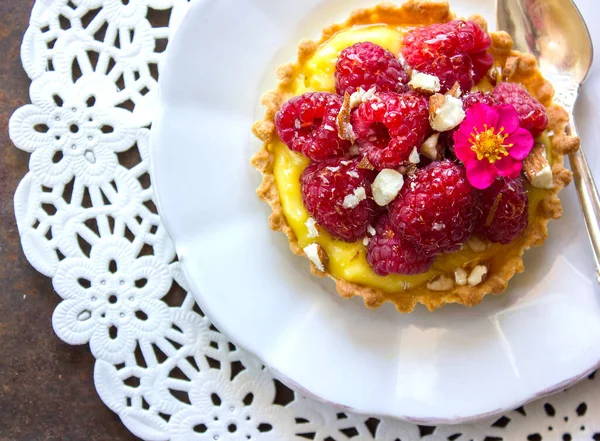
<point>153,145</point>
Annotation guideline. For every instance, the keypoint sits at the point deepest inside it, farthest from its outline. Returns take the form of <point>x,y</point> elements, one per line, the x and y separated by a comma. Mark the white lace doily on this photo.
<point>86,218</point>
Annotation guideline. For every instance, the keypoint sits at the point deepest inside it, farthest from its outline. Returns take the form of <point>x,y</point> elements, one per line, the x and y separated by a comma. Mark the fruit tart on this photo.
<point>412,157</point>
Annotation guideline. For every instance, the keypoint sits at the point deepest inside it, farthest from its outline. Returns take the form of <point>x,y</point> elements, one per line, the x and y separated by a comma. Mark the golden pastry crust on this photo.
<point>509,66</point>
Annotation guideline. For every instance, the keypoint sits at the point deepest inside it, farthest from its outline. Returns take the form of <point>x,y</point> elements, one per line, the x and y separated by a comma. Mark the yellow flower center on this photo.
<point>489,144</point>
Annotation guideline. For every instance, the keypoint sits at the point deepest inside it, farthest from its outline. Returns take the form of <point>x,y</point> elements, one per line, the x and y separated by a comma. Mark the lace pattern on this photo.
<point>86,217</point>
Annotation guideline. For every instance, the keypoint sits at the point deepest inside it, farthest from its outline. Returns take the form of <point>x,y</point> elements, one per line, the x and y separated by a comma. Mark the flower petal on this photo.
<point>462,145</point>
<point>481,174</point>
<point>481,114</point>
<point>522,141</point>
<point>464,153</point>
<point>508,118</point>
<point>508,167</point>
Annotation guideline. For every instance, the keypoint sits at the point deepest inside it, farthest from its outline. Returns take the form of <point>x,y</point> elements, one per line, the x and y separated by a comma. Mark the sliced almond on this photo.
<point>537,168</point>
<point>343,121</point>
<point>441,283</point>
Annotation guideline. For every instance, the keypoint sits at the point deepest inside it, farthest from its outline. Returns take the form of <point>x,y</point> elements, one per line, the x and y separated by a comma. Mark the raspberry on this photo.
<point>389,127</point>
<point>453,51</point>
<point>337,195</point>
<point>436,208</point>
<point>503,210</point>
<point>307,124</point>
<point>470,99</point>
<point>366,65</point>
<point>532,114</point>
<point>387,253</point>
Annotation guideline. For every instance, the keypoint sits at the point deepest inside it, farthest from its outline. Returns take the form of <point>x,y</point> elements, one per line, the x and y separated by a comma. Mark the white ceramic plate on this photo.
<point>453,365</point>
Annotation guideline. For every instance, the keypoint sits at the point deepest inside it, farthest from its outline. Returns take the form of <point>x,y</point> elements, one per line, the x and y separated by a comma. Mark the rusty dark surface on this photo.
<point>46,386</point>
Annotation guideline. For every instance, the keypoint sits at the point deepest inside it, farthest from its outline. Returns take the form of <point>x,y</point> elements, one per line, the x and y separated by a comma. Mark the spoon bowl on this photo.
<point>555,32</point>
<point>552,30</point>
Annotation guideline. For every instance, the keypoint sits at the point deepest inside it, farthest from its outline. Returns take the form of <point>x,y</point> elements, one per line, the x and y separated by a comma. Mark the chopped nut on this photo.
<point>353,199</point>
<point>445,112</point>
<point>495,74</point>
<point>460,275</point>
<point>317,255</point>
<point>365,164</point>
<point>414,156</point>
<point>354,151</point>
<point>343,121</point>
<point>455,90</point>
<point>537,168</point>
<point>510,67</point>
<point>361,96</point>
<point>441,283</point>
<point>477,275</point>
<point>435,102</point>
<point>408,169</point>
<point>477,245</point>
<point>429,149</point>
<point>386,186</point>
<point>425,83</point>
<point>311,225</point>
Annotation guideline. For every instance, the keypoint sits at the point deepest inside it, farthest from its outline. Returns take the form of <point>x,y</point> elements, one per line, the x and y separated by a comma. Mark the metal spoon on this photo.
<point>555,32</point>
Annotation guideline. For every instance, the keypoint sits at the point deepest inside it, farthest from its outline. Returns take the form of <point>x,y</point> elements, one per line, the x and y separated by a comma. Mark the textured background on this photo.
<point>46,386</point>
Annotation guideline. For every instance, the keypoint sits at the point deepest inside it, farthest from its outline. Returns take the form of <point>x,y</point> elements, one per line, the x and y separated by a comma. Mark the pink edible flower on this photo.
<point>490,143</point>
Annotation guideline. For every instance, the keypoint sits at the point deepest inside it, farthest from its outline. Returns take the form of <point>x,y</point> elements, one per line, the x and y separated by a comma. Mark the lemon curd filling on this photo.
<point>348,260</point>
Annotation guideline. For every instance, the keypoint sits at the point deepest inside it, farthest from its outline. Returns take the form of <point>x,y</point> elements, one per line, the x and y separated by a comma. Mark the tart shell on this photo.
<point>516,66</point>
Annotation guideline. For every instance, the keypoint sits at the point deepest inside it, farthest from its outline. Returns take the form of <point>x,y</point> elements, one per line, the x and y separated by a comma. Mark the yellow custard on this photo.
<point>348,260</point>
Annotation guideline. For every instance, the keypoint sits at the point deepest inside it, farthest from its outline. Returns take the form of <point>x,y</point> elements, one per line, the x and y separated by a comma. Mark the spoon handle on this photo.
<point>588,197</point>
